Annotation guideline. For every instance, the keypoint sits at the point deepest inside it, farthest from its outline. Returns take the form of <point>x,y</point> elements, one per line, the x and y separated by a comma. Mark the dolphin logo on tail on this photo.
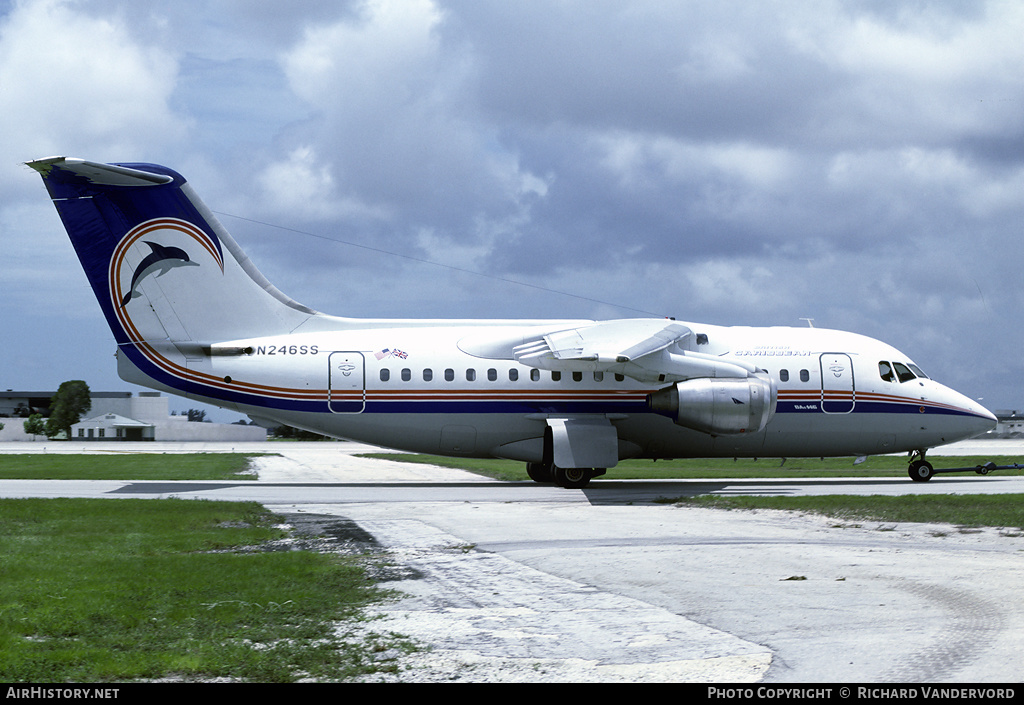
<point>160,261</point>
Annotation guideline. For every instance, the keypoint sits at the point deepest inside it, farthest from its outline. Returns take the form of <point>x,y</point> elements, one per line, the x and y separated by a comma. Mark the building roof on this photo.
<point>114,421</point>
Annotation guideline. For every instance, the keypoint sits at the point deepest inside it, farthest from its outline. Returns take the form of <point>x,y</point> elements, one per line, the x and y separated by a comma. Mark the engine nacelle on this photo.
<point>719,406</point>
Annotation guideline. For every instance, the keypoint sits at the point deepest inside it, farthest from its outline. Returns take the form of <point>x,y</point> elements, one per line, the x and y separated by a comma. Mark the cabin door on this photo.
<point>837,387</point>
<point>346,382</point>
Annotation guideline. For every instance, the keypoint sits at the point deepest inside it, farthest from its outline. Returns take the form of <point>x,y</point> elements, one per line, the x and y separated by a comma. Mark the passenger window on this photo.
<point>513,375</point>
<point>619,378</point>
<point>805,376</point>
<point>903,372</point>
<point>449,375</point>
<point>385,374</point>
<point>428,374</point>
<point>535,375</point>
<point>783,375</point>
<point>599,376</point>
<point>492,375</point>
<point>556,376</point>
<point>577,376</point>
<point>406,374</point>
<point>470,375</point>
<point>885,371</point>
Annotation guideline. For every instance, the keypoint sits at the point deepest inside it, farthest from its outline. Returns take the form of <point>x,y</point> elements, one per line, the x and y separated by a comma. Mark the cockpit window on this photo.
<point>899,372</point>
<point>903,372</point>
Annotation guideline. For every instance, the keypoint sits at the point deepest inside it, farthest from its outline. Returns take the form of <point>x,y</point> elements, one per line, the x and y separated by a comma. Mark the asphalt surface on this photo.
<point>523,582</point>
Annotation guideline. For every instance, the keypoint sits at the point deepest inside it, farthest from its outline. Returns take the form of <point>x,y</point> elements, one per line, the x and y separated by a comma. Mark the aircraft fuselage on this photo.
<point>435,388</point>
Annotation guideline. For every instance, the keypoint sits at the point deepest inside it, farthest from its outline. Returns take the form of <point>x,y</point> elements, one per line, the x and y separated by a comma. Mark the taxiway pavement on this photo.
<point>517,581</point>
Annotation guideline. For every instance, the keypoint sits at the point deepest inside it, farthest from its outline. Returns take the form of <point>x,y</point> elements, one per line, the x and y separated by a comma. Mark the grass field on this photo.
<point>1003,511</point>
<point>121,590</point>
<point>126,466</point>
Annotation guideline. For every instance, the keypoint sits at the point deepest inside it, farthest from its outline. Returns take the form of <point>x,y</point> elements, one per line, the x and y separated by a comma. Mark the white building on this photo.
<point>111,427</point>
<point>146,418</point>
<point>120,416</point>
<point>1011,423</point>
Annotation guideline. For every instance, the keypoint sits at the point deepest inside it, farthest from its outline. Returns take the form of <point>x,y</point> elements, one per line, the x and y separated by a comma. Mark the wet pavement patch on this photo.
<point>332,534</point>
<point>320,533</point>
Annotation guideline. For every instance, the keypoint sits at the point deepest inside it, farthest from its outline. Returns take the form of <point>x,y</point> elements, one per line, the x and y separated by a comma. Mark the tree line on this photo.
<point>72,399</point>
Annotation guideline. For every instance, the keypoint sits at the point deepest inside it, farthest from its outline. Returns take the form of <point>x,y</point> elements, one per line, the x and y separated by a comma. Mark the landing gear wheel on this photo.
<point>539,472</point>
<point>920,471</point>
<point>572,478</point>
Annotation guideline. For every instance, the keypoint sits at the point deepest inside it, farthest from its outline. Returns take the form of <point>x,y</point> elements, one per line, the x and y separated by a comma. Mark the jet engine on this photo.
<point>719,406</point>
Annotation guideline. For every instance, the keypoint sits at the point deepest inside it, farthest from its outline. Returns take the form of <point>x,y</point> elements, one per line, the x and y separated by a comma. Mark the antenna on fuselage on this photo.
<point>810,322</point>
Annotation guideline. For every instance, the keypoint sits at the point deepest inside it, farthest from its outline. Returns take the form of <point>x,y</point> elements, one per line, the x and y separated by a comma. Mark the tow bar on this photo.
<point>921,470</point>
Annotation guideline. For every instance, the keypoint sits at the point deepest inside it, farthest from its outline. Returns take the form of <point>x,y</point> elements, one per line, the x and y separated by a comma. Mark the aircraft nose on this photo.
<point>977,419</point>
<point>989,419</point>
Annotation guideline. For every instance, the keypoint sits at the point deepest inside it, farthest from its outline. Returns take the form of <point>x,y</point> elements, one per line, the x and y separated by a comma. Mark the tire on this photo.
<point>572,478</point>
<point>921,471</point>
<point>539,472</point>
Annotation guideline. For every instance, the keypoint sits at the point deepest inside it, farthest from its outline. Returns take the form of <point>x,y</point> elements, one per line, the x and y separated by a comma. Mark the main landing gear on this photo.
<point>920,470</point>
<point>570,478</point>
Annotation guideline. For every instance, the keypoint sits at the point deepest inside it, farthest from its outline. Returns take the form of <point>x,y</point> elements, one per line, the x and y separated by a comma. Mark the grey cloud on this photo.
<point>736,162</point>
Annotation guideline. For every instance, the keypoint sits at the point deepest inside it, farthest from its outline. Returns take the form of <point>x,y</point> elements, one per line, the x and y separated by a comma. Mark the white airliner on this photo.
<point>193,316</point>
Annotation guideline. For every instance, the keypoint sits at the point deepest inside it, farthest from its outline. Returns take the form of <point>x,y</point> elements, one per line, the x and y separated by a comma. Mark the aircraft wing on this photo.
<point>646,349</point>
<point>605,343</point>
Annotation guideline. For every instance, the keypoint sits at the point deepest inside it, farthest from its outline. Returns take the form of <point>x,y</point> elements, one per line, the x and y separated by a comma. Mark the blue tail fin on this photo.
<point>170,280</point>
<point>159,262</point>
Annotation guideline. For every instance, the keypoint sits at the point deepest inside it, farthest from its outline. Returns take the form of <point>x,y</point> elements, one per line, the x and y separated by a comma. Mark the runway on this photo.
<point>517,581</point>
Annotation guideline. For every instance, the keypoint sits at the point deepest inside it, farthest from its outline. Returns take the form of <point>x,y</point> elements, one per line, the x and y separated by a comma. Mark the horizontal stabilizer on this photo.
<point>65,169</point>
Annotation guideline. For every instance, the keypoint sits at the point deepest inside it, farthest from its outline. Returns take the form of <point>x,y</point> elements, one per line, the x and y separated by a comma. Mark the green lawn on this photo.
<point>112,590</point>
<point>1005,511</point>
<point>126,466</point>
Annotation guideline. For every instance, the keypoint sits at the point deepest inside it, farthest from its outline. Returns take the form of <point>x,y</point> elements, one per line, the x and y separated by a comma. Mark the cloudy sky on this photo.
<point>751,163</point>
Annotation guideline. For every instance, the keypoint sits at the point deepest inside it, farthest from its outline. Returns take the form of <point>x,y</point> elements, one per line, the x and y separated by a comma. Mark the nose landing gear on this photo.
<point>920,470</point>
